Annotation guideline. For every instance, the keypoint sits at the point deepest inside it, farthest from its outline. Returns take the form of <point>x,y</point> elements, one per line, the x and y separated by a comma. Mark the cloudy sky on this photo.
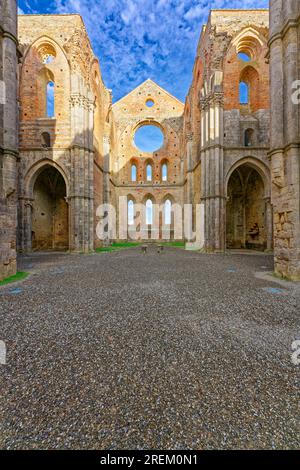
<point>140,39</point>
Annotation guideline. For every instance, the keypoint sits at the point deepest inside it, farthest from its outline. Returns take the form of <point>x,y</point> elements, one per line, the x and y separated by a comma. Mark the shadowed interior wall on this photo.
<point>245,219</point>
<point>50,212</point>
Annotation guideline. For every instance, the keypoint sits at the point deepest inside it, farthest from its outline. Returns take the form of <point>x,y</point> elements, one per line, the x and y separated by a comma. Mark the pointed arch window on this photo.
<point>244,93</point>
<point>168,212</point>
<point>130,212</point>
<point>149,212</point>
<point>133,173</point>
<point>164,172</point>
<point>149,172</point>
<point>244,56</point>
<point>50,99</point>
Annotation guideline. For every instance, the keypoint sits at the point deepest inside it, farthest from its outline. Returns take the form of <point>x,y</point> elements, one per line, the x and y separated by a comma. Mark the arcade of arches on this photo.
<point>89,153</point>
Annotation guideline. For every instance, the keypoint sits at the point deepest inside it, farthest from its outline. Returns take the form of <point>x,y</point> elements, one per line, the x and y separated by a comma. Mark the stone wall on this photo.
<point>212,139</point>
<point>216,121</point>
<point>128,115</point>
<point>285,143</point>
<point>56,50</point>
<point>8,137</point>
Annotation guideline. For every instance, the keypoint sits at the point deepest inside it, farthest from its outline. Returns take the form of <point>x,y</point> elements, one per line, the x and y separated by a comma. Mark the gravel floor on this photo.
<point>129,351</point>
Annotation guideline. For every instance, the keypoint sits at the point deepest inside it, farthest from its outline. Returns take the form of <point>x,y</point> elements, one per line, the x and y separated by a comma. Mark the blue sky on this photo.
<point>140,39</point>
<point>148,138</point>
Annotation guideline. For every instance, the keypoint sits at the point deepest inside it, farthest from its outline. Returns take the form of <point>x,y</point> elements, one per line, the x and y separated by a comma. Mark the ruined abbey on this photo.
<point>232,149</point>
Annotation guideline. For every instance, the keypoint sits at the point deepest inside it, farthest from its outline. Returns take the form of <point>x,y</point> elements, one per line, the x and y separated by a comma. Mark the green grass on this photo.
<point>121,245</point>
<point>20,276</point>
<point>125,244</point>
<point>116,247</point>
<point>174,244</point>
<point>105,249</point>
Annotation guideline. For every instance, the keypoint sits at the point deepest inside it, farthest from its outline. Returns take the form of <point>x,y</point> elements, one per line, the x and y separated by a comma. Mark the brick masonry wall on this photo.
<point>92,141</point>
<point>216,121</point>
<point>77,129</point>
<point>129,114</point>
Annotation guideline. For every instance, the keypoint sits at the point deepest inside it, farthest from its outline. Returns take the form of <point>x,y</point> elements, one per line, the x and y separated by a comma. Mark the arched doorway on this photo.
<point>246,212</point>
<point>50,221</point>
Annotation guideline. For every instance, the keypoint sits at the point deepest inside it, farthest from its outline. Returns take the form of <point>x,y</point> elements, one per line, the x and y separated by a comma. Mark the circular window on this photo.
<point>149,138</point>
<point>149,103</point>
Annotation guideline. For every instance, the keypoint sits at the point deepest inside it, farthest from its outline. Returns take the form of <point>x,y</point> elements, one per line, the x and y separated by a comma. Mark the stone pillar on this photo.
<point>269,223</point>
<point>90,183</point>
<point>189,156</point>
<point>189,185</point>
<point>81,197</point>
<point>212,169</point>
<point>25,224</point>
<point>106,181</point>
<point>8,137</point>
<point>285,147</point>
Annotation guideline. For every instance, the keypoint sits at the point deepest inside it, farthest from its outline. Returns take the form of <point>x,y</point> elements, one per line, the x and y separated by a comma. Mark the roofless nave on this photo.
<point>222,150</point>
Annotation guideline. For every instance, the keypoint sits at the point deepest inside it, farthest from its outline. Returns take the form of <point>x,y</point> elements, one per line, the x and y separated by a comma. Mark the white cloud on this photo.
<point>129,12</point>
<point>195,12</point>
<point>138,39</point>
<point>20,11</point>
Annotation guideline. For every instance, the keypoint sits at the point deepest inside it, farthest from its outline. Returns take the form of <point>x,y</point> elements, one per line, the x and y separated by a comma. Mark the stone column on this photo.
<point>269,223</point>
<point>212,164</point>
<point>189,156</point>
<point>8,137</point>
<point>189,183</point>
<point>285,148</point>
<point>25,224</point>
<point>81,197</point>
<point>106,180</point>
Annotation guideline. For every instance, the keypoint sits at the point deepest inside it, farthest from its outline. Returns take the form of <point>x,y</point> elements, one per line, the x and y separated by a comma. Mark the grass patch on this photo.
<point>105,249</point>
<point>174,244</point>
<point>121,245</point>
<point>116,247</point>
<point>20,276</point>
<point>125,244</point>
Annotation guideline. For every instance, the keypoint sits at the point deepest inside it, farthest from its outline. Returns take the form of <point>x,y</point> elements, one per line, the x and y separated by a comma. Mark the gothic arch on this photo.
<point>39,42</point>
<point>257,165</point>
<point>34,75</point>
<point>47,216</point>
<point>248,221</point>
<point>248,41</point>
<point>33,173</point>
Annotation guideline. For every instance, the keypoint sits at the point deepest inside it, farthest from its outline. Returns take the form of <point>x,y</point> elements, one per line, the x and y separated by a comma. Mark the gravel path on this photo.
<point>129,351</point>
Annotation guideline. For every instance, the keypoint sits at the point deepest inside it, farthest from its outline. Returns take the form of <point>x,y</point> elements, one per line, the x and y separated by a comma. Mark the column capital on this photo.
<point>214,99</point>
<point>189,136</point>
